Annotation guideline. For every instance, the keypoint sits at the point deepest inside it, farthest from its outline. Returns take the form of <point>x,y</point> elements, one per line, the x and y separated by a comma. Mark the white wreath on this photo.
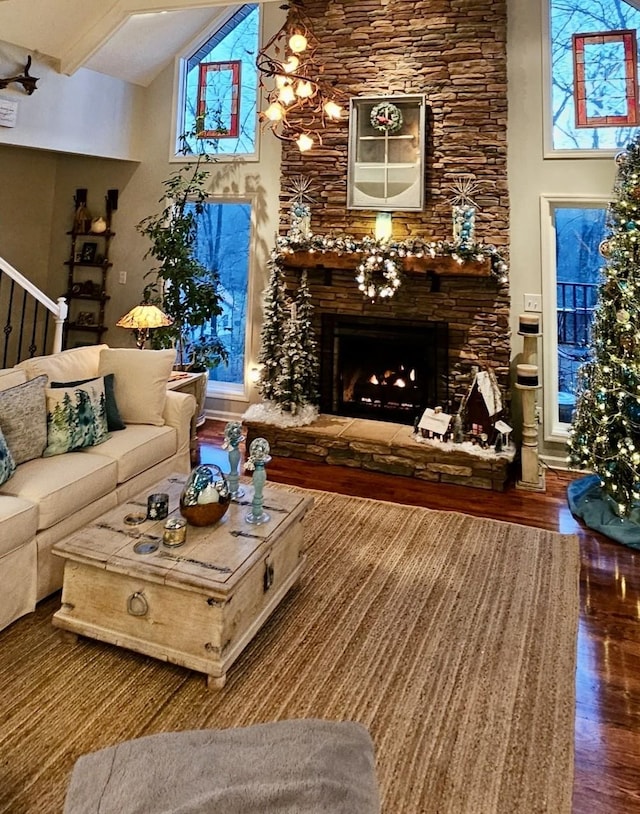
<point>386,117</point>
<point>378,276</point>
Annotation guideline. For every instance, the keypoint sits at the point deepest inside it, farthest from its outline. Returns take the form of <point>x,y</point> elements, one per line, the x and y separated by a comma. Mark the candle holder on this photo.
<point>258,459</point>
<point>233,437</point>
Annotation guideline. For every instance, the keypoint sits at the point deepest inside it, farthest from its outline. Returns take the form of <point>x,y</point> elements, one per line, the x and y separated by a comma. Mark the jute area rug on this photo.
<point>451,638</point>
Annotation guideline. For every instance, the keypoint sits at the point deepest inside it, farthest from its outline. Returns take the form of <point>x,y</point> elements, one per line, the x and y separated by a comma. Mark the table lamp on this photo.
<point>142,319</point>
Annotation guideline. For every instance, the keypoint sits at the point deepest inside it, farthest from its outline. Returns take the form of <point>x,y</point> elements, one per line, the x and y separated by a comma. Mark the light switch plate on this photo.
<point>8,112</point>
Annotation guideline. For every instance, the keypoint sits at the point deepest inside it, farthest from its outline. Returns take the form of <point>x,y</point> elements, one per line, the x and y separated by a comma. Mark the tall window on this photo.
<point>218,90</point>
<point>224,234</point>
<point>593,73</point>
<point>576,230</point>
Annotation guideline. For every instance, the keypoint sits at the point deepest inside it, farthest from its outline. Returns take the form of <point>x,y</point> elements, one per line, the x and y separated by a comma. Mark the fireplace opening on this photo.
<point>386,369</point>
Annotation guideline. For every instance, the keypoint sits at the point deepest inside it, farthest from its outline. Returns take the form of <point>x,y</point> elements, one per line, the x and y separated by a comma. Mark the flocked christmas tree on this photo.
<point>309,362</point>
<point>289,389</point>
<point>273,332</point>
<point>605,435</point>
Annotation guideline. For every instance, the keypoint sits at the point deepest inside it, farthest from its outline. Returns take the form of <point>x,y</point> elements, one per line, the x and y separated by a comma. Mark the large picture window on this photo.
<point>217,109</point>
<point>223,243</point>
<point>593,100</point>
<point>573,230</point>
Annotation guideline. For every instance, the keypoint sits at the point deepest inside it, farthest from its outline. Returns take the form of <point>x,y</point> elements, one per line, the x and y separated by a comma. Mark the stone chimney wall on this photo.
<point>453,51</point>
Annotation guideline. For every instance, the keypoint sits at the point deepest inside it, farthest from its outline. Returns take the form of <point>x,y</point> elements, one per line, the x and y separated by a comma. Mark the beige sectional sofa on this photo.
<point>48,498</point>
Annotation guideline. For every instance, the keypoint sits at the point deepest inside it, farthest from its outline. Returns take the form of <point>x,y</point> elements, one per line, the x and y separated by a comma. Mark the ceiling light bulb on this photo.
<point>304,142</point>
<point>286,95</point>
<point>291,64</point>
<point>304,89</point>
<point>275,112</point>
<point>297,43</point>
<point>332,110</point>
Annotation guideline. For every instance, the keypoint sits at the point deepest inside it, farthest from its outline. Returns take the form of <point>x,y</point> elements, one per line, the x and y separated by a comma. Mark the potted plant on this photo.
<point>184,288</point>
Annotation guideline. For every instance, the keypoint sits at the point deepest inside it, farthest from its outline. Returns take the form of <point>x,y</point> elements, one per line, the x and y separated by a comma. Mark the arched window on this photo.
<point>218,90</point>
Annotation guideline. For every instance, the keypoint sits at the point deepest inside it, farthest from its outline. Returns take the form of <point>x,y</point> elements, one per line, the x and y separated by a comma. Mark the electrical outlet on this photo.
<point>122,278</point>
<point>533,303</point>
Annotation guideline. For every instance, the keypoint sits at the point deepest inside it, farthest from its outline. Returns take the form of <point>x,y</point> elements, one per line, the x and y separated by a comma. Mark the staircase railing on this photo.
<point>26,317</point>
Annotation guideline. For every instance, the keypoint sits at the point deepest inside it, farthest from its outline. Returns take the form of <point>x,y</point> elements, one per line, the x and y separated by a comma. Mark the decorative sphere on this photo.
<point>605,249</point>
<point>620,157</point>
<point>633,411</point>
<point>205,497</point>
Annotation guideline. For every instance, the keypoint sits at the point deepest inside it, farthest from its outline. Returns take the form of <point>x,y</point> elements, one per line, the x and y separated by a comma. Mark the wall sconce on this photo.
<point>142,319</point>
<point>384,227</point>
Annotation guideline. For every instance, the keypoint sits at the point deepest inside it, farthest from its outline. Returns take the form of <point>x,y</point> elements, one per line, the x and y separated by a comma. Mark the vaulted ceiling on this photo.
<point>132,40</point>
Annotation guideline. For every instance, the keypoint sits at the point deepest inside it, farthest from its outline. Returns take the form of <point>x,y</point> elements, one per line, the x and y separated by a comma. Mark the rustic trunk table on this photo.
<point>197,605</point>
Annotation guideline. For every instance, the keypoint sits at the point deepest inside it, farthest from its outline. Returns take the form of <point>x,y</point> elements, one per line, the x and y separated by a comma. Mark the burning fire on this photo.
<point>393,378</point>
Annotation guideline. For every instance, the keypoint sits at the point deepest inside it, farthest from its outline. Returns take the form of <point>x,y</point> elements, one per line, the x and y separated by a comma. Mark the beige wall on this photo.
<point>530,174</point>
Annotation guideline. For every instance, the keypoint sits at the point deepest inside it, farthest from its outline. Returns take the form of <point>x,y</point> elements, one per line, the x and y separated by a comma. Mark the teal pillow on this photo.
<point>7,464</point>
<point>76,417</point>
<point>114,420</point>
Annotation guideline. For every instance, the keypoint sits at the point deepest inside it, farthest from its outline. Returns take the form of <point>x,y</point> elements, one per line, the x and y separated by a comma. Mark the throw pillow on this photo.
<point>76,417</point>
<point>23,419</point>
<point>141,378</point>
<point>7,464</point>
<point>114,420</point>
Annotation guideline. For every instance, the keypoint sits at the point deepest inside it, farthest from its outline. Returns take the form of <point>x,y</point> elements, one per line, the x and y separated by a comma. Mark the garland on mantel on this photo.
<point>379,272</point>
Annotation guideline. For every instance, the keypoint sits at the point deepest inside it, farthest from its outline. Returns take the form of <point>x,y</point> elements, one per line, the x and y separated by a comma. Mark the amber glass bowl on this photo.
<point>205,497</point>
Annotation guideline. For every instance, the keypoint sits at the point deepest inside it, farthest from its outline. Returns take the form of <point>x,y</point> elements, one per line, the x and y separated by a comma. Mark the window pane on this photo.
<point>235,42</point>
<point>569,17</point>
<point>579,233</point>
<point>223,244</point>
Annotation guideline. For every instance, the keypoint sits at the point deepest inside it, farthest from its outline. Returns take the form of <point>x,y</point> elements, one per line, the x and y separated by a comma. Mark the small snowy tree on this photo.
<point>289,390</point>
<point>273,331</point>
<point>309,362</point>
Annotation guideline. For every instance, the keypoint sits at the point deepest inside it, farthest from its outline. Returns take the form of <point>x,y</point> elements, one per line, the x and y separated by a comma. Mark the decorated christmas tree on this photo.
<point>605,435</point>
<point>272,336</point>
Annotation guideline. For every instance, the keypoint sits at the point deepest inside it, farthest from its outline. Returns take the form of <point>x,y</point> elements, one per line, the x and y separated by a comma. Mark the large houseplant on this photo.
<point>183,287</point>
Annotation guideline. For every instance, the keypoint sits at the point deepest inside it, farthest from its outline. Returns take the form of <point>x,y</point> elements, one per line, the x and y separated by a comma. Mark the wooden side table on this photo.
<point>196,385</point>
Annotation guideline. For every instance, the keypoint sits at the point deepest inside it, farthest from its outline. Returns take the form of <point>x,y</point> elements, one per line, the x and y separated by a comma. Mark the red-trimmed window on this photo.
<point>218,99</point>
<point>605,79</point>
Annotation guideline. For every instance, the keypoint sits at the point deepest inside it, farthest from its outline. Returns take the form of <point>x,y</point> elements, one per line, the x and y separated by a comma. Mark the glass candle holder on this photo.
<point>175,532</point>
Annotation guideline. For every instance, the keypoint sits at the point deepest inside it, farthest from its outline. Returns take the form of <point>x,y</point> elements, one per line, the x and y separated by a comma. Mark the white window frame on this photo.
<point>228,390</point>
<point>179,79</point>
<point>554,429</point>
<point>547,113</point>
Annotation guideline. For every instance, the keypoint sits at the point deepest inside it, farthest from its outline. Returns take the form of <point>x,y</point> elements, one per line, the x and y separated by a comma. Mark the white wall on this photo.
<point>87,113</point>
<point>530,174</point>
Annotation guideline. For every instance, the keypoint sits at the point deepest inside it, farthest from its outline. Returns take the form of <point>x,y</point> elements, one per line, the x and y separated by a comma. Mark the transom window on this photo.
<point>218,90</point>
<point>593,66</point>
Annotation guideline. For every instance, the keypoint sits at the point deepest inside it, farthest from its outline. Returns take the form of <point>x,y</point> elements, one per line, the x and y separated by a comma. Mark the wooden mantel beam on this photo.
<point>441,266</point>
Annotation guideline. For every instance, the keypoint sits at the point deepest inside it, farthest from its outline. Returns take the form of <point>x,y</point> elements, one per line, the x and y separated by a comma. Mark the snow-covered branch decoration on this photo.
<point>395,249</point>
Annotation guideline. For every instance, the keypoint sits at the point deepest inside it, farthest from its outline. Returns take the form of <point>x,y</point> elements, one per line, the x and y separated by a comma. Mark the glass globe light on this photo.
<point>304,142</point>
<point>298,43</point>
<point>332,110</point>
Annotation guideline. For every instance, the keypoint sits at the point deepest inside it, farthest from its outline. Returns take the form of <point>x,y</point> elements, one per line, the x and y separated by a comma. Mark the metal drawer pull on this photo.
<point>137,604</point>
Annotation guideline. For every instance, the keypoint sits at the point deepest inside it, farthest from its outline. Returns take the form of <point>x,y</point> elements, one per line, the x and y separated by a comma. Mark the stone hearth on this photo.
<point>385,447</point>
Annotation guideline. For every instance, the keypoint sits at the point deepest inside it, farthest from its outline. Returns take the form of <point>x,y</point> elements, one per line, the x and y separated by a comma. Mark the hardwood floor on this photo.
<point>607,731</point>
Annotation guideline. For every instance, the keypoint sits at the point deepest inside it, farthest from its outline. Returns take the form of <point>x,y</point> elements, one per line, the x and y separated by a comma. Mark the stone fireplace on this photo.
<point>384,369</point>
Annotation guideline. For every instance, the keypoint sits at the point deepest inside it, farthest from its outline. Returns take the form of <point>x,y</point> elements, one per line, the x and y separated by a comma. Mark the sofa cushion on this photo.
<point>76,417</point>
<point>141,378</point>
<point>23,419</point>
<point>63,484</point>
<point>114,420</point>
<point>11,376</point>
<point>68,365</point>
<point>7,464</point>
<point>18,523</point>
<point>138,448</point>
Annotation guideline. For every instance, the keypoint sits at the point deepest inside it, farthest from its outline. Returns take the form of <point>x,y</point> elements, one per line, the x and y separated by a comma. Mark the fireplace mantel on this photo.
<point>441,265</point>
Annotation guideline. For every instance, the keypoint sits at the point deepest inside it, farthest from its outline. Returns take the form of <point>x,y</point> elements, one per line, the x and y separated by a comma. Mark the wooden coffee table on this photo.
<point>197,605</point>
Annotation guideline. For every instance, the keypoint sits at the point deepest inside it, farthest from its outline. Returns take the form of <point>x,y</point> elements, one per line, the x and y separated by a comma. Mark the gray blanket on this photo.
<point>287,767</point>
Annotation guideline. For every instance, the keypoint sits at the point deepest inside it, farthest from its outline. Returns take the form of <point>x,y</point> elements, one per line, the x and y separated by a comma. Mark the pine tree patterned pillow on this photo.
<point>76,417</point>
<point>7,464</point>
